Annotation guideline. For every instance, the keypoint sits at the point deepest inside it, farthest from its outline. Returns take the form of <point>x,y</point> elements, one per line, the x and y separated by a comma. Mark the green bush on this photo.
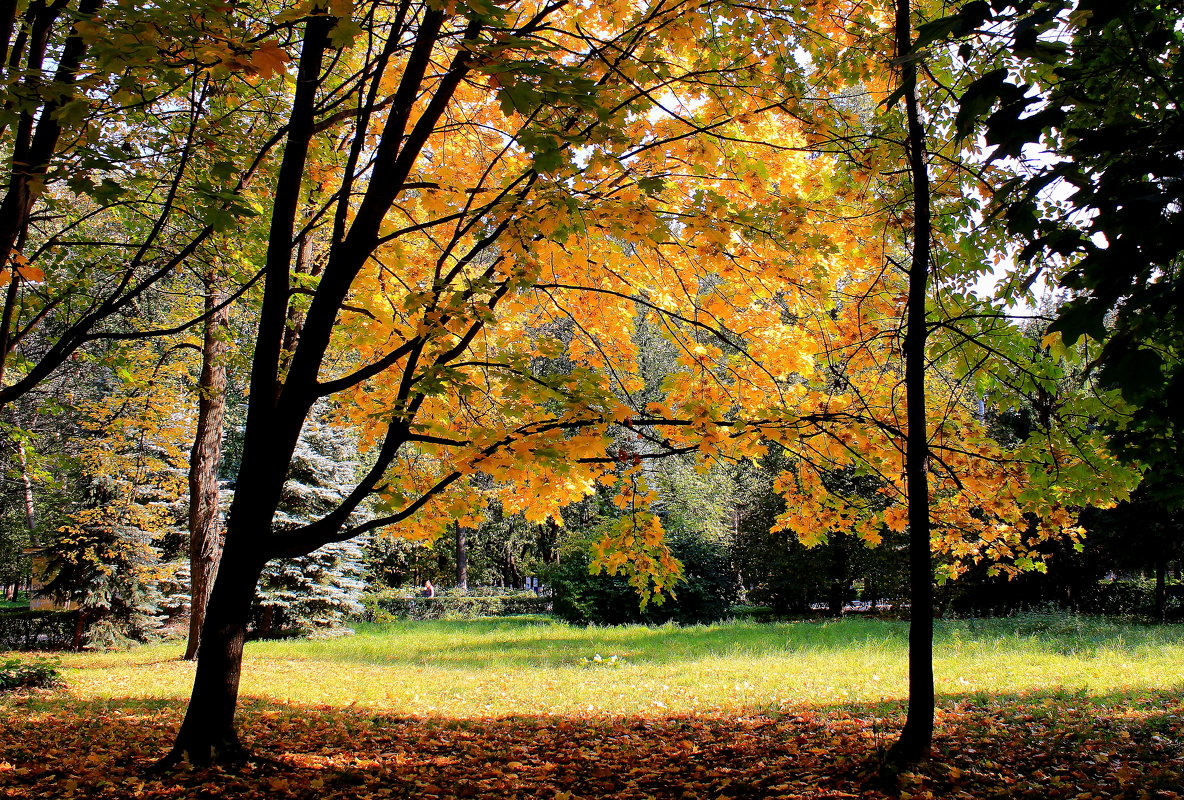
<point>392,604</point>
<point>1131,597</point>
<point>23,629</point>
<point>1123,597</point>
<point>40,674</point>
<point>708,588</point>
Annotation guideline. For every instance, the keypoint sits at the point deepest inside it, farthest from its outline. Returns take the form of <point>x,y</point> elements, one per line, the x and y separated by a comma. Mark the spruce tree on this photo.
<point>313,594</point>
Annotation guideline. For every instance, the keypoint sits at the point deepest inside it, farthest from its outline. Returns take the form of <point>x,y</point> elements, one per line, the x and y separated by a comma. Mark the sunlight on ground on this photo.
<point>497,668</point>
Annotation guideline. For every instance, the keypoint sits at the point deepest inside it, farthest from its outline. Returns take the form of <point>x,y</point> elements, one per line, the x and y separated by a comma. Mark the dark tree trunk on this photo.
<point>79,630</point>
<point>917,736</point>
<point>462,558</point>
<point>284,388</point>
<point>266,622</point>
<point>840,583</point>
<point>1161,589</point>
<point>207,734</point>
<point>205,541</point>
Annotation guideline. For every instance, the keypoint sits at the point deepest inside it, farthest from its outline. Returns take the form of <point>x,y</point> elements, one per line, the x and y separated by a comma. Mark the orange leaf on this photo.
<point>269,59</point>
<point>30,273</point>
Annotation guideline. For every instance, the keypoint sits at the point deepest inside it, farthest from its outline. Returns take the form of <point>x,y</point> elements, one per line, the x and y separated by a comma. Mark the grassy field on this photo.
<point>526,691</point>
<point>484,668</point>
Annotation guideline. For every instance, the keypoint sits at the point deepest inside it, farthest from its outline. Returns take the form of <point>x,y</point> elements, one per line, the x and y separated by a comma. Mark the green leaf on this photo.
<point>344,33</point>
<point>1080,318</point>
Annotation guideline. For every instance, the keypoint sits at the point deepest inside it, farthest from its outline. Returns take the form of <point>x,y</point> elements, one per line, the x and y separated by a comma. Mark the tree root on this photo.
<point>230,755</point>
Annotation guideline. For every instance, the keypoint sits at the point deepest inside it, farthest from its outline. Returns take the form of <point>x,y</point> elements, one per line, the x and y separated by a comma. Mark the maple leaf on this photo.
<point>268,59</point>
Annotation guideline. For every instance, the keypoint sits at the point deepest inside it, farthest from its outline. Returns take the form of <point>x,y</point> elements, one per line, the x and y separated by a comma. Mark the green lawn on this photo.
<point>484,668</point>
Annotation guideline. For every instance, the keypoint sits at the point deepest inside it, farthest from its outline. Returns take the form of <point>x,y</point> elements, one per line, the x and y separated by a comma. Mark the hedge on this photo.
<point>391,604</point>
<point>23,629</point>
<point>1127,597</point>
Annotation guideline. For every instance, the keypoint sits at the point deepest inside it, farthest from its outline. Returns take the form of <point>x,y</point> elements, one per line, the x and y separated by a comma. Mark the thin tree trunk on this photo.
<point>27,486</point>
<point>6,320</point>
<point>462,558</point>
<point>917,736</point>
<point>205,541</point>
<point>1161,589</point>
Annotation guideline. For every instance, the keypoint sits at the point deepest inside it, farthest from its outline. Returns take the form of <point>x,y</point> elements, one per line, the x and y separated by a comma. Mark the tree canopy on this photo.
<point>518,253</point>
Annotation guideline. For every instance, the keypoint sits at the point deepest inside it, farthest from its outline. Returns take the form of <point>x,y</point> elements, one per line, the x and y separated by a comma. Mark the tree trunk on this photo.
<point>917,736</point>
<point>462,558</point>
<point>1161,589</point>
<point>79,630</point>
<point>207,734</point>
<point>27,486</point>
<point>205,542</point>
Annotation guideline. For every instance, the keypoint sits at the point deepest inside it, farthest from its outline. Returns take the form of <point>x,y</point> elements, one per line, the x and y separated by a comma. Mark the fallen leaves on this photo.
<point>1027,747</point>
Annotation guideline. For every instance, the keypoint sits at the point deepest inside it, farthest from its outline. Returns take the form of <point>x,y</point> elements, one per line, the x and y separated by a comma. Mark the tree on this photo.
<point>1099,217</point>
<point>957,350</point>
<point>122,164</point>
<point>134,134</point>
<point>914,741</point>
<point>315,593</point>
<point>431,269</point>
<point>128,499</point>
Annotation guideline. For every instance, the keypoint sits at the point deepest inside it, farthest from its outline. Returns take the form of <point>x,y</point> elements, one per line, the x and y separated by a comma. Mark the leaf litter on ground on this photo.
<point>1052,745</point>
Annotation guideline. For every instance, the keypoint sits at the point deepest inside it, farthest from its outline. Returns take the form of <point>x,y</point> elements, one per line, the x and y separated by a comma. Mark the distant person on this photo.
<point>428,589</point>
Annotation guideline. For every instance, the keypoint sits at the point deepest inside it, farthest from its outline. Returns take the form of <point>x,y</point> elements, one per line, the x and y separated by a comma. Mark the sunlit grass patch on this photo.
<point>497,668</point>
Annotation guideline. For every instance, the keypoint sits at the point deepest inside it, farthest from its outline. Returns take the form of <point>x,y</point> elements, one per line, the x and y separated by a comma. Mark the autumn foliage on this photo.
<point>468,231</point>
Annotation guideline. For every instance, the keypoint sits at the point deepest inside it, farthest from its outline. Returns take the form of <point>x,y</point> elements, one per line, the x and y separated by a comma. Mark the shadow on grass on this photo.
<point>1036,745</point>
<point>540,643</point>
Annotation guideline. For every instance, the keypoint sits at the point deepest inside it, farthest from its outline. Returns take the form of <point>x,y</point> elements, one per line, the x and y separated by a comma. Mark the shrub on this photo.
<point>391,604</point>
<point>1131,597</point>
<point>40,674</point>
<point>708,588</point>
<point>1123,597</point>
<point>23,629</point>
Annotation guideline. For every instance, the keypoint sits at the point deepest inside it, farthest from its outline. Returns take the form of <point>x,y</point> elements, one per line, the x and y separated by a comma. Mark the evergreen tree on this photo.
<point>318,592</point>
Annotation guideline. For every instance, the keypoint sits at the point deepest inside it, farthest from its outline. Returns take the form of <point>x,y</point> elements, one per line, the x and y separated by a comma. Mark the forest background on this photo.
<point>322,298</point>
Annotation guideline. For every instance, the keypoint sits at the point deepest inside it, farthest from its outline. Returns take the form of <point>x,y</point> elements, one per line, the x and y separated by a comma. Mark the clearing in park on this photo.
<point>1030,706</point>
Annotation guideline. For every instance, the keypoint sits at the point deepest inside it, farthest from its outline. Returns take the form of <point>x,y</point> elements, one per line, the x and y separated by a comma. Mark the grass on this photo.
<point>498,668</point>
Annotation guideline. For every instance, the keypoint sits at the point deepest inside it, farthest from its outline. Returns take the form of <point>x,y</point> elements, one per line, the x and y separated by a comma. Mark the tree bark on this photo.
<point>462,558</point>
<point>205,543</point>
<point>916,738</point>
<point>207,734</point>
